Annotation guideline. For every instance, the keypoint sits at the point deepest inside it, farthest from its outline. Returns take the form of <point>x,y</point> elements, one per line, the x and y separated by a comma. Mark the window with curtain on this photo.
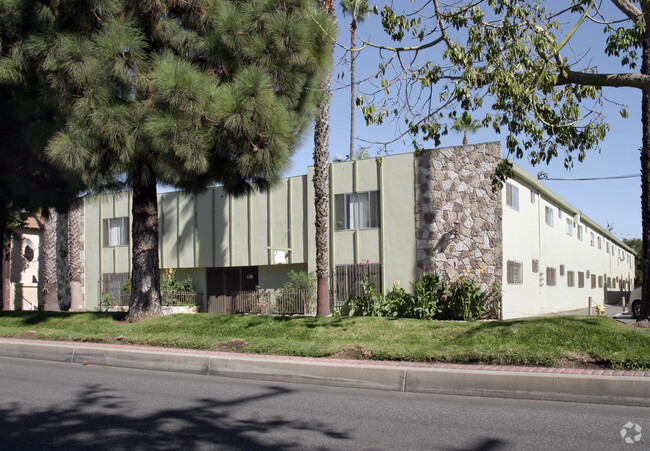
<point>116,232</point>
<point>356,211</point>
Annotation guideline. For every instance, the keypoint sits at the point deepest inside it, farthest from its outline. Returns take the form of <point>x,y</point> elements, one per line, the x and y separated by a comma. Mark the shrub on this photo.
<point>170,284</point>
<point>371,303</point>
<point>432,298</point>
<point>429,291</point>
<point>298,293</point>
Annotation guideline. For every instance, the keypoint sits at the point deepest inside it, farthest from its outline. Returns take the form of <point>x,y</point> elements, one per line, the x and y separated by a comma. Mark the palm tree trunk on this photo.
<point>321,189</point>
<point>353,28</point>
<point>4,258</point>
<point>48,284</point>
<point>62,261</point>
<point>145,299</point>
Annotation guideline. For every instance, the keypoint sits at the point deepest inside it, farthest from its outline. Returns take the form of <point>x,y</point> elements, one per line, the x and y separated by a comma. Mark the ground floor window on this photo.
<point>550,277</point>
<point>515,272</point>
<point>570,279</point>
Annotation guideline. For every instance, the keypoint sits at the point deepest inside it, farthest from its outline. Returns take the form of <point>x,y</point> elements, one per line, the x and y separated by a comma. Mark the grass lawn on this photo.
<point>551,341</point>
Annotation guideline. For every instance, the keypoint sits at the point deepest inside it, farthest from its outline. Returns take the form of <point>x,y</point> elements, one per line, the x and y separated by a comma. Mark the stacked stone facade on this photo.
<point>458,216</point>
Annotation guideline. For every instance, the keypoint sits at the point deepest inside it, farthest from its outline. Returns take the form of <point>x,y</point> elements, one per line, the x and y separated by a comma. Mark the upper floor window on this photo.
<point>580,232</point>
<point>116,232</point>
<point>591,238</point>
<point>533,197</point>
<point>548,215</point>
<point>357,210</point>
<point>569,227</point>
<point>600,243</point>
<point>512,196</point>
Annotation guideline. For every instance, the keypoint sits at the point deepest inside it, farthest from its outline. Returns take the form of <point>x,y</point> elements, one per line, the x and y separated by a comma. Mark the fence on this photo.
<point>268,302</point>
<point>348,278</point>
<point>122,298</point>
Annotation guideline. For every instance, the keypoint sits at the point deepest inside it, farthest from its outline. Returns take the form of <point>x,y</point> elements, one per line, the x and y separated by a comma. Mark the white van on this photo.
<point>635,307</point>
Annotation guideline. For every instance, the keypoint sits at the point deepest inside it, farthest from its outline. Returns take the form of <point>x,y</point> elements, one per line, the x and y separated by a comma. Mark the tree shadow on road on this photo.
<point>100,418</point>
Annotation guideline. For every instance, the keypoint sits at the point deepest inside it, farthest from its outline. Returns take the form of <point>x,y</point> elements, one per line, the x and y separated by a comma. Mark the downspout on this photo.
<point>380,176</point>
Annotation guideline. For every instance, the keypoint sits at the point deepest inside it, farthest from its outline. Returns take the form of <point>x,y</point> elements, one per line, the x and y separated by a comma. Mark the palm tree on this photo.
<point>357,9</point>
<point>321,185</point>
<point>466,124</point>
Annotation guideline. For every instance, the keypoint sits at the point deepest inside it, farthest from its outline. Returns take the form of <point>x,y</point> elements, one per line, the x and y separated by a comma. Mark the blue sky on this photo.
<point>617,202</point>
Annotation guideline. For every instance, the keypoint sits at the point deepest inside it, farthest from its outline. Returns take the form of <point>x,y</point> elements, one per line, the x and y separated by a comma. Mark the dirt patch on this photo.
<point>27,335</point>
<point>113,340</point>
<point>236,345</point>
<point>645,324</point>
<point>353,352</point>
<point>580,361</point>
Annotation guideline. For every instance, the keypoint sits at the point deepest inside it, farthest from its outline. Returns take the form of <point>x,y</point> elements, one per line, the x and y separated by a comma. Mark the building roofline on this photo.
<point>528,178</point>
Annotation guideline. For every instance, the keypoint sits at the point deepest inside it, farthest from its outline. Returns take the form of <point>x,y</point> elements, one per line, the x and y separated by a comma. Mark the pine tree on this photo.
<point>186,93</point>
<point>28,182</point>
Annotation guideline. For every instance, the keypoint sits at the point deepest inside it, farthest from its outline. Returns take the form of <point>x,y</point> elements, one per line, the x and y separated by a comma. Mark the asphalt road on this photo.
<point>46,405</point>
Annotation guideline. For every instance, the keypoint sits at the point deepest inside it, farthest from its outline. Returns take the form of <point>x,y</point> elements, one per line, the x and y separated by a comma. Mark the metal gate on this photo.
<point>349,276</point>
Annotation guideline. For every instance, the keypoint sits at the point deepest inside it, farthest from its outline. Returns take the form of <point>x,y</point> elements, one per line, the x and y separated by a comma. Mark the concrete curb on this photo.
<point>529,383</point>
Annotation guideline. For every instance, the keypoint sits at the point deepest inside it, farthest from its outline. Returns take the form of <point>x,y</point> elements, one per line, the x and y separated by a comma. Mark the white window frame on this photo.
<point>548,215</point>
<point>592,238</point>
<point>580,233</point>
<point>570,279</point>
<point>551,276</point>
<point>512,196</point>
<point>116,232</point>
<point>569,226</point>
<point>515,272</point>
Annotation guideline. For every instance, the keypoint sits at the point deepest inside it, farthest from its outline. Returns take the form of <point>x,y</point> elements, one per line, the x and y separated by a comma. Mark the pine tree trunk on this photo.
<point>145,299</point>
<point>62,261</point>
<point>353,28</point>
<point>645,179</point>
<point>321,189</point>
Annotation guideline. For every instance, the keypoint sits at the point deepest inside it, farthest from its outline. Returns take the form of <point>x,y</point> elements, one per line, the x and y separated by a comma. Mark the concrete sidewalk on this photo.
<point>556,384</point>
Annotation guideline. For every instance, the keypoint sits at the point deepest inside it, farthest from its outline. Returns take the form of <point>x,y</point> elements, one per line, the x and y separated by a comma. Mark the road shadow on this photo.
<point>100,418</point>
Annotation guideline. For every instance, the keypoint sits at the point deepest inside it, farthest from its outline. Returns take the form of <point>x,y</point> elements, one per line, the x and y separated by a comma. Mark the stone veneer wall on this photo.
<point>453,184</point>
